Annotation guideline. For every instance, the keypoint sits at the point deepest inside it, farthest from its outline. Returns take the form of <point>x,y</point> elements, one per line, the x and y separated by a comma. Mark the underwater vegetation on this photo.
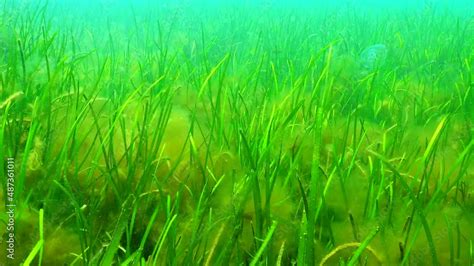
<point>186,135</point>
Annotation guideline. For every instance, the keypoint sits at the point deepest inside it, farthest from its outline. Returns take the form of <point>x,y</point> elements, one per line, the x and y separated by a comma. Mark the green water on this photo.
<point>251,133</point>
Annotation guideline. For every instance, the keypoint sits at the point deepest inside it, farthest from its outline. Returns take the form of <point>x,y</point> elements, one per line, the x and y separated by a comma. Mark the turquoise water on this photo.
<point>237,133</point>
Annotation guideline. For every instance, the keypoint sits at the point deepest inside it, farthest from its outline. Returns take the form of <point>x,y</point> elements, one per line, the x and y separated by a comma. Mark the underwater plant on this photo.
<point>169,134</point>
